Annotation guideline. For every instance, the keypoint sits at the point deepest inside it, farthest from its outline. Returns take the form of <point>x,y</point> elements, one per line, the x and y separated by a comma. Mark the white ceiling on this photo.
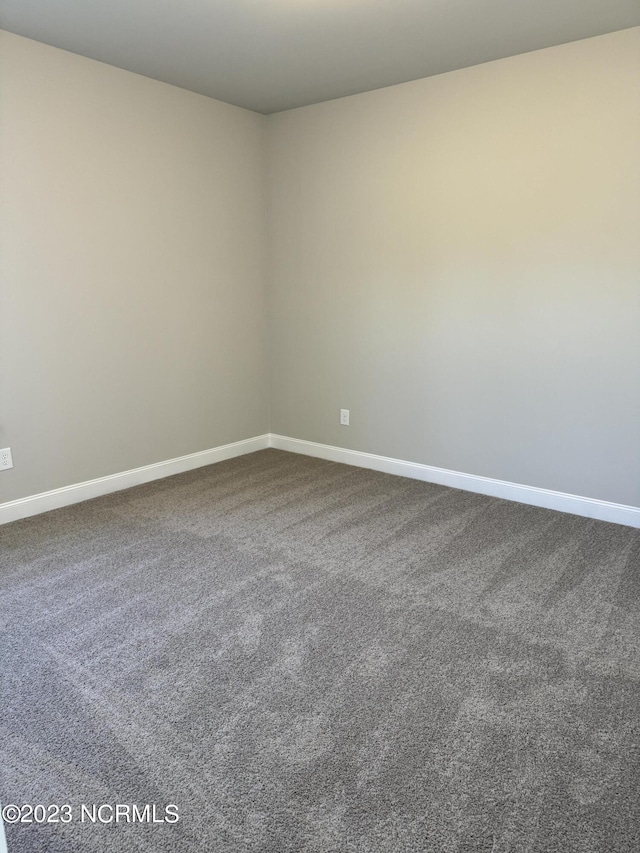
<point>271,55</point>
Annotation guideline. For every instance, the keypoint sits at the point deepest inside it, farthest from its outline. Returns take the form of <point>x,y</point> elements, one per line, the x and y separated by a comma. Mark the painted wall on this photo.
<point>457,261</point>
<point>132,246</point>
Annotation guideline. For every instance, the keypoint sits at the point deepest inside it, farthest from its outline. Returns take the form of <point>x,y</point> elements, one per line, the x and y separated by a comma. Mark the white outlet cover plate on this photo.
<point>344,417</point>
<point>6,460</point>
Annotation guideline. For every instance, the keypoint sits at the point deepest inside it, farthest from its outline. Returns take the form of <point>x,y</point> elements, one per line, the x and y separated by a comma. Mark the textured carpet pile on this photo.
<point>305,656</point>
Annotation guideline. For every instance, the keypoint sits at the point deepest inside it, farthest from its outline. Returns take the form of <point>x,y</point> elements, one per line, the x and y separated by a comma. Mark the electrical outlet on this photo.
<point>344,417</point>
<point>5,459</point>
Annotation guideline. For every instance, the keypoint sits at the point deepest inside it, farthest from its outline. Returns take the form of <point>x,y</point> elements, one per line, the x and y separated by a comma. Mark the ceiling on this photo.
<point>272,55</point>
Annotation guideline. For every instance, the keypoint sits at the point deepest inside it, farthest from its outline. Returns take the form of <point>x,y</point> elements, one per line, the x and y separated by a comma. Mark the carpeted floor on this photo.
<point>305,656</point>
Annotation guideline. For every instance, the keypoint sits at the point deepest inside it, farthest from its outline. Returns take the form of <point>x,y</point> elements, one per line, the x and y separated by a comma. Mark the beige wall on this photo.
<point>457,261</point>
<point>132,317</point>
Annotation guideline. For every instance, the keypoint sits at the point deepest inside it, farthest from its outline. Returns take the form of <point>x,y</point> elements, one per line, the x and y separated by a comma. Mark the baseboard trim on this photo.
<point>56,498</point>
<point>588,507</point>
<point>67,495</point>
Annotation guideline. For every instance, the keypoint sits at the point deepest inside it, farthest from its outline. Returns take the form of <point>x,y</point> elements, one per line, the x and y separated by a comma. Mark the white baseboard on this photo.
<point>588,507</point>
<point>35,504</point>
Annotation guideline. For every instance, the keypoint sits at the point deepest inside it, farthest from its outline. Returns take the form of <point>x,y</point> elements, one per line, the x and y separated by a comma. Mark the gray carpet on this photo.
<point>305,656</point>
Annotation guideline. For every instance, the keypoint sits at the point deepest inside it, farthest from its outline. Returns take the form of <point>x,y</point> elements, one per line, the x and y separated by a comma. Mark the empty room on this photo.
<point>320,426</point>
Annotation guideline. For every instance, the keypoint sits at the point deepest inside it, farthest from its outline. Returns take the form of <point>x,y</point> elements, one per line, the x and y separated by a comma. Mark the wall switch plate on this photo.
<point>344,417</point>
<point>5,459</point>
